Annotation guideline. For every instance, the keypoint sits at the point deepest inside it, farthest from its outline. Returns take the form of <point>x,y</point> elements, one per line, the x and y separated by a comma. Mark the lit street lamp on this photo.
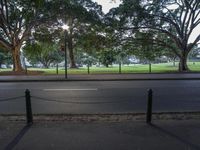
<point>65,27</point>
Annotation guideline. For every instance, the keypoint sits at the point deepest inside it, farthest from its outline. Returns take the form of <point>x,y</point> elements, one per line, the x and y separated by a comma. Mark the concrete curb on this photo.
<point>68,80</point>
<point>114,117</point>
<point>101,77</point>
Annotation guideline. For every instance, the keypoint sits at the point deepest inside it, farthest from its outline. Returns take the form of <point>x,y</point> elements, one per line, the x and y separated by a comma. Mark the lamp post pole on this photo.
<point>65,54</point>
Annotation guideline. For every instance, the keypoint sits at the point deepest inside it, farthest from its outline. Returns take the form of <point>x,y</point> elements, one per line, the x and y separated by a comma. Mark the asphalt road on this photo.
<point>101,96</point>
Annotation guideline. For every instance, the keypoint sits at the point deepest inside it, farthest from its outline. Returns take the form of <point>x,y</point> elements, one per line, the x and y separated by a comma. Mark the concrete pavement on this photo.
<point>100,77</point>
<point>129,135</point>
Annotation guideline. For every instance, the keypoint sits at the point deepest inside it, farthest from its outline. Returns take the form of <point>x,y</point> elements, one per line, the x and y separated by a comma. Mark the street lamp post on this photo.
<point>65,54</point>
<point>65,27</point>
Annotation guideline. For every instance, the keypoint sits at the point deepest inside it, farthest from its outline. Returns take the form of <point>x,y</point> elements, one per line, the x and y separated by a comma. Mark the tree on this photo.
<point>20,18</point>
<point>106,57</point>
<point>81,17</point>
<point>176,19</point>
<point>17,19</point>
<point>145,49</point>
<point>44,53</point>
<point>5,58</point>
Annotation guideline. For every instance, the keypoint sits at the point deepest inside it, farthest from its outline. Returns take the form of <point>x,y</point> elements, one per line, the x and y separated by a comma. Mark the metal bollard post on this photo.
<point>120,67</point>
<point>29,115</point>
<point>149,106</point>
<point>57,69</point>
<point>149,67</point>
<point>88,68</point>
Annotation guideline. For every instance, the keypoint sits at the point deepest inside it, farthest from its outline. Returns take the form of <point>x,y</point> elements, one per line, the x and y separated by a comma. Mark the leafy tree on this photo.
<point>5,57</point>
<point>43,47</point>
<point>17,19</point>
<point>20,18</point>
<point>81,17</point>
<point>2,57</point>
<point>106,57</point>
<point>195,52</point>
<point>174,19</point>
<point>44,53</point>
<point>146,50</point>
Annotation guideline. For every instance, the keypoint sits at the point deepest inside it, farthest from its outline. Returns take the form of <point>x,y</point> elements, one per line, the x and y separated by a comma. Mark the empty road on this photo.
<point>100,96</point>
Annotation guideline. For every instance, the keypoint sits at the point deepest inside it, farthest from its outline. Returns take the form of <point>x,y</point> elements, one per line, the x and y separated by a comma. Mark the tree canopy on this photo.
<point>175,19</point>
<point>17,19</point>
<point>20,18</point>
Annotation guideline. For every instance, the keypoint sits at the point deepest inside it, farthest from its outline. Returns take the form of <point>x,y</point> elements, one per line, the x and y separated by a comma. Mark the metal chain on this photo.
<point>11,98</point>
<point>73,102</point>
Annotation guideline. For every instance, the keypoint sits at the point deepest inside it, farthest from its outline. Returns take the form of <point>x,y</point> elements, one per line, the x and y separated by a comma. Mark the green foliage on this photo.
<point>44,53</point>
<point>82,17</point>
<point>194,54</point>
<point>106,57</point>
<point>17,20</point>
<point>5,58</point>
<point>173,21</point>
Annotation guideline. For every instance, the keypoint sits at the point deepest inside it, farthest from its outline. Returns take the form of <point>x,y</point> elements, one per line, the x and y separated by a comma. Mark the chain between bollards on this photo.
<point>29,115</point>
<point>149,106</point>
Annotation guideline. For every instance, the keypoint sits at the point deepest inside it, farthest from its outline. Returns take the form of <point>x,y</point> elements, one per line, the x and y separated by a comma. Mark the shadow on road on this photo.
<point>176,137</point>
<point>18,137</point>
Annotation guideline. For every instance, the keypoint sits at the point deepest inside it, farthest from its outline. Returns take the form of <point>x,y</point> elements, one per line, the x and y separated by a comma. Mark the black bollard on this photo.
<point>149,67</point>
<point>149,106</point>
<point>57,69</point>
<point>120,67</point>
<point>29,116</point>
<point>88,68</point>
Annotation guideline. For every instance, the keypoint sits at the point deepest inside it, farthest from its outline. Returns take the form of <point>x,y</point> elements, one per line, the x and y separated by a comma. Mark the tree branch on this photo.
<point>5,44</point>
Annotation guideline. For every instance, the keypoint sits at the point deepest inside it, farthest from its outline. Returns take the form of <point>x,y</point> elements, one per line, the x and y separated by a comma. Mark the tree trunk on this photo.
<point>46,66</point>
<point>17,67</point>
<point>70,43</point>
<point>149,67</point>
<point>183,67</point>
<point>174,61</point>
<point>71,53</point>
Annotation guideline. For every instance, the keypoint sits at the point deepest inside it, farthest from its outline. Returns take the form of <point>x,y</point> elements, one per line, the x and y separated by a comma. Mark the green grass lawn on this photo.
<point>137,68</point>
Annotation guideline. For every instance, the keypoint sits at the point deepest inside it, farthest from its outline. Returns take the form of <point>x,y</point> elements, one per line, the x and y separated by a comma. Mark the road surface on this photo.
<point>101,96</point>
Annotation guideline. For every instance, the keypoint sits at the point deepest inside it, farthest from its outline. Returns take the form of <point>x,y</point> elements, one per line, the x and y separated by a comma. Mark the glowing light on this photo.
<point>65,27</point>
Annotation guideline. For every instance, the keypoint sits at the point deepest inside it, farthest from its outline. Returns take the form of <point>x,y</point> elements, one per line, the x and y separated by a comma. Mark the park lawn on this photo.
<point>133,68</point>
<point>52,71</point>
<point>137,68</point>
<point>194,66</point>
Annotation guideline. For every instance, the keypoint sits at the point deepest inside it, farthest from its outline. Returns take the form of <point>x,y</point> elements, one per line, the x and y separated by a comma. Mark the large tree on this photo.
<point>17,19</point>
<point>81,16</point>
<point>176,19</point>
<point>44,53</point>
<point>43,48</point>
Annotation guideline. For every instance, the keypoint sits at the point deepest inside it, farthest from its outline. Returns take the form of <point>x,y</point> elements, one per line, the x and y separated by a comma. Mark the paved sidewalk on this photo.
<point>100,77</point>
<point>131,135</point>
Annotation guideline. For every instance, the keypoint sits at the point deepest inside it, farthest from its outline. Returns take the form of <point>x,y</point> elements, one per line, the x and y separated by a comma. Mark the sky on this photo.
<point>108,4</point>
